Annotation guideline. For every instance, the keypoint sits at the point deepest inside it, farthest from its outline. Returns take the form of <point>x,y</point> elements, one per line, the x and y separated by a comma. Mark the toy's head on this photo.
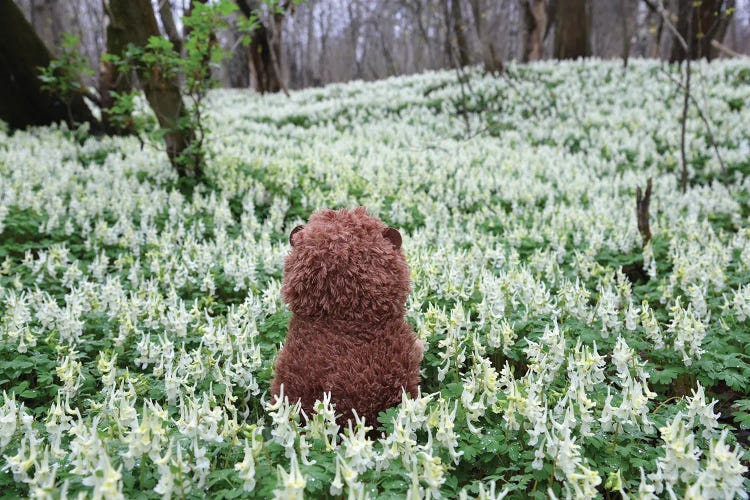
<point>346,265</point>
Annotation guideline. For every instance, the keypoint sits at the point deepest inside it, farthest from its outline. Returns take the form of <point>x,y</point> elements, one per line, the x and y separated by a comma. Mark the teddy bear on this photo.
<point>346,282</point>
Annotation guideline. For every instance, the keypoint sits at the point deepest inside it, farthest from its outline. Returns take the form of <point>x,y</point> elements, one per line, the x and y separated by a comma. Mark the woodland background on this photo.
<point>325,41</point>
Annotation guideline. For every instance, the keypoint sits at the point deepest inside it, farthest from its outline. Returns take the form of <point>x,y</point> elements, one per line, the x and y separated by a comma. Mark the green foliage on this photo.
<point>201,56</point>
<point>62,76</point>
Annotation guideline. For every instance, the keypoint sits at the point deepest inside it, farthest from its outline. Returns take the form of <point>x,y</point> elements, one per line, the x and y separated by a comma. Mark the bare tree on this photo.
<point>701,23</point>
<point>625,33</point>
<point>265,45</point>
<point>235,69</point>
<point>458,44</point>
<point>310,77</point>
<point>337,40</point>
<point>535,25</point>
<point>355,26</point>
<point>572,29</point>
<point>419,13</point>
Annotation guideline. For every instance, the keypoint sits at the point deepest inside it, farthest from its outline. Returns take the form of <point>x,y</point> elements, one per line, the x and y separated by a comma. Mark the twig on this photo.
<point>726,50</point>
<point>683,124</point>
<point>464,111</point>
<point>707,124</point>
<point>667,17</point>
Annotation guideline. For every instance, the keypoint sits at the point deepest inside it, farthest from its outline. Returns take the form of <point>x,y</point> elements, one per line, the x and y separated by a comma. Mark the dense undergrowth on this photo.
<point>140,315</point>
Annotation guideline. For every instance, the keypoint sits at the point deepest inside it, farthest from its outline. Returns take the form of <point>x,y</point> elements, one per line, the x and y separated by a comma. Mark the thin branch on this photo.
<point>706,123</point>
<point>686,101</point>
<point>688,97</point>
<point>668,17</point>
<point>726,50</point>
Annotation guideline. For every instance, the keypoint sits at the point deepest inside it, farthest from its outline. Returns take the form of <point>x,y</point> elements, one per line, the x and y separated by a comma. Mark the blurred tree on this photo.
<point>166,14</point>
<point>111,80</point>
<point>22,53</point>
<point>535,19</point>
<point>265,44</point>
<point>572,29</point>
<point>480,12</point>
<point>236,70</point>
<point>458,44</point>
<point>701,23</point>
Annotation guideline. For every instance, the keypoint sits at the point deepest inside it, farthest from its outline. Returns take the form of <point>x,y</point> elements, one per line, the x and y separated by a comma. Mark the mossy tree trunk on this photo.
<point>22,100</point>
<point>133,21</point>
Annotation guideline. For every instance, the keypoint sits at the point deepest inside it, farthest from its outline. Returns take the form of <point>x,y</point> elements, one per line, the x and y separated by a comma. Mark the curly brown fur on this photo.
<point>346,283</point>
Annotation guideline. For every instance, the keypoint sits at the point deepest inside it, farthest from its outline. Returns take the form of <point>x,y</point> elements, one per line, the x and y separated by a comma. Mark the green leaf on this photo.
<point>666,374</point>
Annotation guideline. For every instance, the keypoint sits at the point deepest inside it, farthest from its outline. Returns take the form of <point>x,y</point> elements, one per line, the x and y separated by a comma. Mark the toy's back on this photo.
<point>346,282</point>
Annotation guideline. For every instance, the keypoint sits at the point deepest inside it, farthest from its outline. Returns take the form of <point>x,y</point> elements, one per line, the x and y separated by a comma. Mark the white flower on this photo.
<point>688,331</point>
<point>358,448</point>
<point>292,483</point>
<point>723,474</point>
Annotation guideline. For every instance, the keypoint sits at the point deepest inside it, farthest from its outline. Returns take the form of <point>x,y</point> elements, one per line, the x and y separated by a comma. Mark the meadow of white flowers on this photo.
<point>139,318</point>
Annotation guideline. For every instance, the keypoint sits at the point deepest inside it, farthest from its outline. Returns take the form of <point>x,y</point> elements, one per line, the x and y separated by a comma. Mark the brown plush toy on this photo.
<point>346,283</point>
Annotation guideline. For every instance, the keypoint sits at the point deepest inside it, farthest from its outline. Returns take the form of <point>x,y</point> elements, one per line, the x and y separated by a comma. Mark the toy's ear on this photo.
<point>294,231</point>
<point>393,236</point>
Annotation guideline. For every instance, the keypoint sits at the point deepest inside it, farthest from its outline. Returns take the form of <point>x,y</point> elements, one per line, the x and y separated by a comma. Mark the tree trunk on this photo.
<point>310,78</point>
<point>573,29</point>
<point>111,80</point>
<point>133,21</point>
<point>656,54</point>
<point>264,50</point>
<point>710,19</point>
<point>323,28</point>
<point>355,18</point>
<point>459,31</point>
<point>48,20</point>
<point>478,13</point>
<point>265,78</point>
<point>535,18</point>
<point>238,75</point>
<point>625,33</point>
<point>170,28</point>
<point>22,101</point>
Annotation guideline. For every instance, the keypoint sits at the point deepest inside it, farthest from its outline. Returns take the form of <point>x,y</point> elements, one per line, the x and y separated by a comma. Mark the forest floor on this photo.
<point>140,315</point>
